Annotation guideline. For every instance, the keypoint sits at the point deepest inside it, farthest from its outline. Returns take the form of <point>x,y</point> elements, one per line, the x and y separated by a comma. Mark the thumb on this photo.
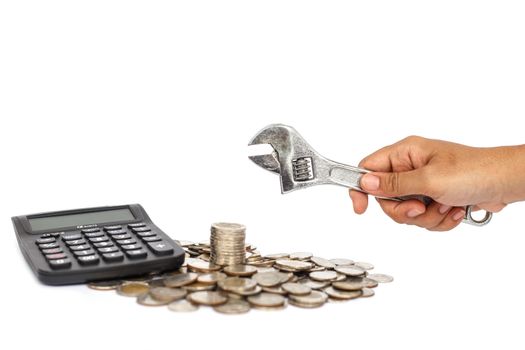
<point>394,184</point>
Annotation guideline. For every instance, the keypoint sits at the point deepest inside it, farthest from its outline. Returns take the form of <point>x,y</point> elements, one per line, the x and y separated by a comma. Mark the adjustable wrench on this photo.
<point>300,166</point>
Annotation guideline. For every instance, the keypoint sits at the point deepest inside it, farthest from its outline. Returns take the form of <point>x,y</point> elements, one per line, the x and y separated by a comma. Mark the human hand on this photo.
<point>453,175</point>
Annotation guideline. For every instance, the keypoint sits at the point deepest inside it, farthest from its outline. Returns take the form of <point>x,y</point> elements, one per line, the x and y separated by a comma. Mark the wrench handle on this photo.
<point>350,176</point>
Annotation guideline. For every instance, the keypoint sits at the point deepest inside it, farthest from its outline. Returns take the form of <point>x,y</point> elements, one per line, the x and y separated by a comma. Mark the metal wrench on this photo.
<point>300,166</point>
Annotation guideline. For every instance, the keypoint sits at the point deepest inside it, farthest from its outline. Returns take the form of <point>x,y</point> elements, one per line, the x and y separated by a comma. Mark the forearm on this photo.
<point>511,173</point>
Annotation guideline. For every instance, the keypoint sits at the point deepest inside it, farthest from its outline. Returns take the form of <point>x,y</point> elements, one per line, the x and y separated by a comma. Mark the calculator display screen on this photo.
<point>98,217</point>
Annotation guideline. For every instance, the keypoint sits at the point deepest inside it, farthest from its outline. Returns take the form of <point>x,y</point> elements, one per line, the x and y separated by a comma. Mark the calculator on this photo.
<point>82,245</point>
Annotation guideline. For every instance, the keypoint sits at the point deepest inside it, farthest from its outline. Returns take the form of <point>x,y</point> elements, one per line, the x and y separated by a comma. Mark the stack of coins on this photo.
<point>227,244</point>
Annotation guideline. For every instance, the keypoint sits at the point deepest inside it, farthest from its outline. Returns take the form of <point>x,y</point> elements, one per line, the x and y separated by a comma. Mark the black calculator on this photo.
<point>82,245</point>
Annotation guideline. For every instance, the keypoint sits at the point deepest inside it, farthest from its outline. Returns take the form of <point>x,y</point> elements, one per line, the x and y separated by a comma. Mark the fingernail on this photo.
<point>459,215</point>
<point>414,212</point>
<point>444,208</point>
<point>370,182</point>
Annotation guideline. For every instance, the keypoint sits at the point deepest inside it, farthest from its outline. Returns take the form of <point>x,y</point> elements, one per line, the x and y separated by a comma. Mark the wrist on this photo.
<point>511,174</point>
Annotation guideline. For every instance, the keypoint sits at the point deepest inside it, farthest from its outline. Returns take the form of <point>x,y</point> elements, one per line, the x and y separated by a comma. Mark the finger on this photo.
<point>402,212</point>
<point>378,161</point>
<point>359,201</point>
<point>432,217</point>
<point>396,184</point>
<point>451,220</point>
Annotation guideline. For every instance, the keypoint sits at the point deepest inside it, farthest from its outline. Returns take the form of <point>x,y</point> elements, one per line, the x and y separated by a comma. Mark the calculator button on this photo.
<point>79,247</point>
<point>72,236</point>
<point>126,241</point>
<point>160,248</point>
<point>76,242</point>
<point>88,260</point>
<point>56,256</point>
<point>84,252</point>
<point>138,224</point>
<point>98,239</point>
<point>60,263</point>
<point>93,234</point>
<point>108,250</point>
<point>119,237</point>
<point>103,244</point>
<point>146,234</point>
<point>136,254</point>
<point>116,232</point>
<point>151,238</point>
<point>111,228</point>
<point>48,245</point>
<point>130,246</point>
<point>116,256</point>
<point>52,251</point>
<point>141,229</point>
<point>46,235</point>
<point>90,230</point>
<point>45,240</point>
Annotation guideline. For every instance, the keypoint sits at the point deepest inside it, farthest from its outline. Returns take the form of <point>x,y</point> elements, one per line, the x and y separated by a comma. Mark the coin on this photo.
<point>364,265</point>
<point>342,262</point>
<point>301,256</point>
<point>198,265</point>
<point>148,300</point>
<point>237,284</point>
<point>233,306</point>
<point>211,277</point>
<point>274,290</point>
<point>380,277</point>
<point>355,283</point>
<point>294,265</point>
<point>132,289</point>
<point>266,300</point>
<point>182,305</point>
<point>256,290</point>
<point>342,294</point>
<point>208,298</point>
<point>323,262</point>
<point>181,279</point>
<point>314,299</point>
<point>296,288</point>
<point>270,279</point>
<point>350,270</point>
<point>198,286</point>
<point>240,270</point>
<point>167,294</point>
<point>313,284</point>
<point>367,292</point>
<point>105,285</point>
<point>323,275</point>
<point>277,256</point>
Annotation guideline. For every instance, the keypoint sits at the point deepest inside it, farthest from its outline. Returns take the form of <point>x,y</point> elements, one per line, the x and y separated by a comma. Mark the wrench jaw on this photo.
<point>293,159</point>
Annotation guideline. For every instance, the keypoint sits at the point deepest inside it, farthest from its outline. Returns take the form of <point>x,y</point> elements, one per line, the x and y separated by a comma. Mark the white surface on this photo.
<point>121,102</point>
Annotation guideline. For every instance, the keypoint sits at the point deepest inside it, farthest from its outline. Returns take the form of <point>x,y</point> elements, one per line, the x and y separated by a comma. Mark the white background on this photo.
<point>107,102</point>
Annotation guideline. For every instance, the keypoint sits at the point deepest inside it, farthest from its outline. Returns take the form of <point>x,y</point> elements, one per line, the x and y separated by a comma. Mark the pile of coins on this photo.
<point>227,243</point>
<point>264,282</point>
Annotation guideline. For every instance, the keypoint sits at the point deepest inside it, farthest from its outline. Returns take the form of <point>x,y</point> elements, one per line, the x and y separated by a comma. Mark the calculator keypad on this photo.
<point>112,244</point>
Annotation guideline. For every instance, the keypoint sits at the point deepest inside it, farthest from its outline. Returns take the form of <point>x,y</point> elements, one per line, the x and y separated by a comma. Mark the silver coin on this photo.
<point>148,300</point>
<point>353,271</point>
<point>240,270</point>
<point>301,256</point>
<point>181,279</point>
<point>182,305</point>
<point>105,285</point>
<point>323,262</point>
<point>237,284</point>
<point>211,298</point>
<point>364,265</point>
<point>380,277</point>
<point>367,292</point>
<point>323,276</point>
<point>274,290</point>
<point>248,292</point>
<point>167,294</point>
<point>132,289</point>
<point>199,265</point>
<point>313,284</point>
<point>270,279</point>
<point>277,256</point>
<point>296,288</point>
<point>314,299</point>
<point>342,262</point>
<point>267,300</point>
<point>295,265</point>
<point>233,306</point>
<point>211,277</point>
<point>342,294</point>
<point>198,286</point>
<point>355,283</point>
